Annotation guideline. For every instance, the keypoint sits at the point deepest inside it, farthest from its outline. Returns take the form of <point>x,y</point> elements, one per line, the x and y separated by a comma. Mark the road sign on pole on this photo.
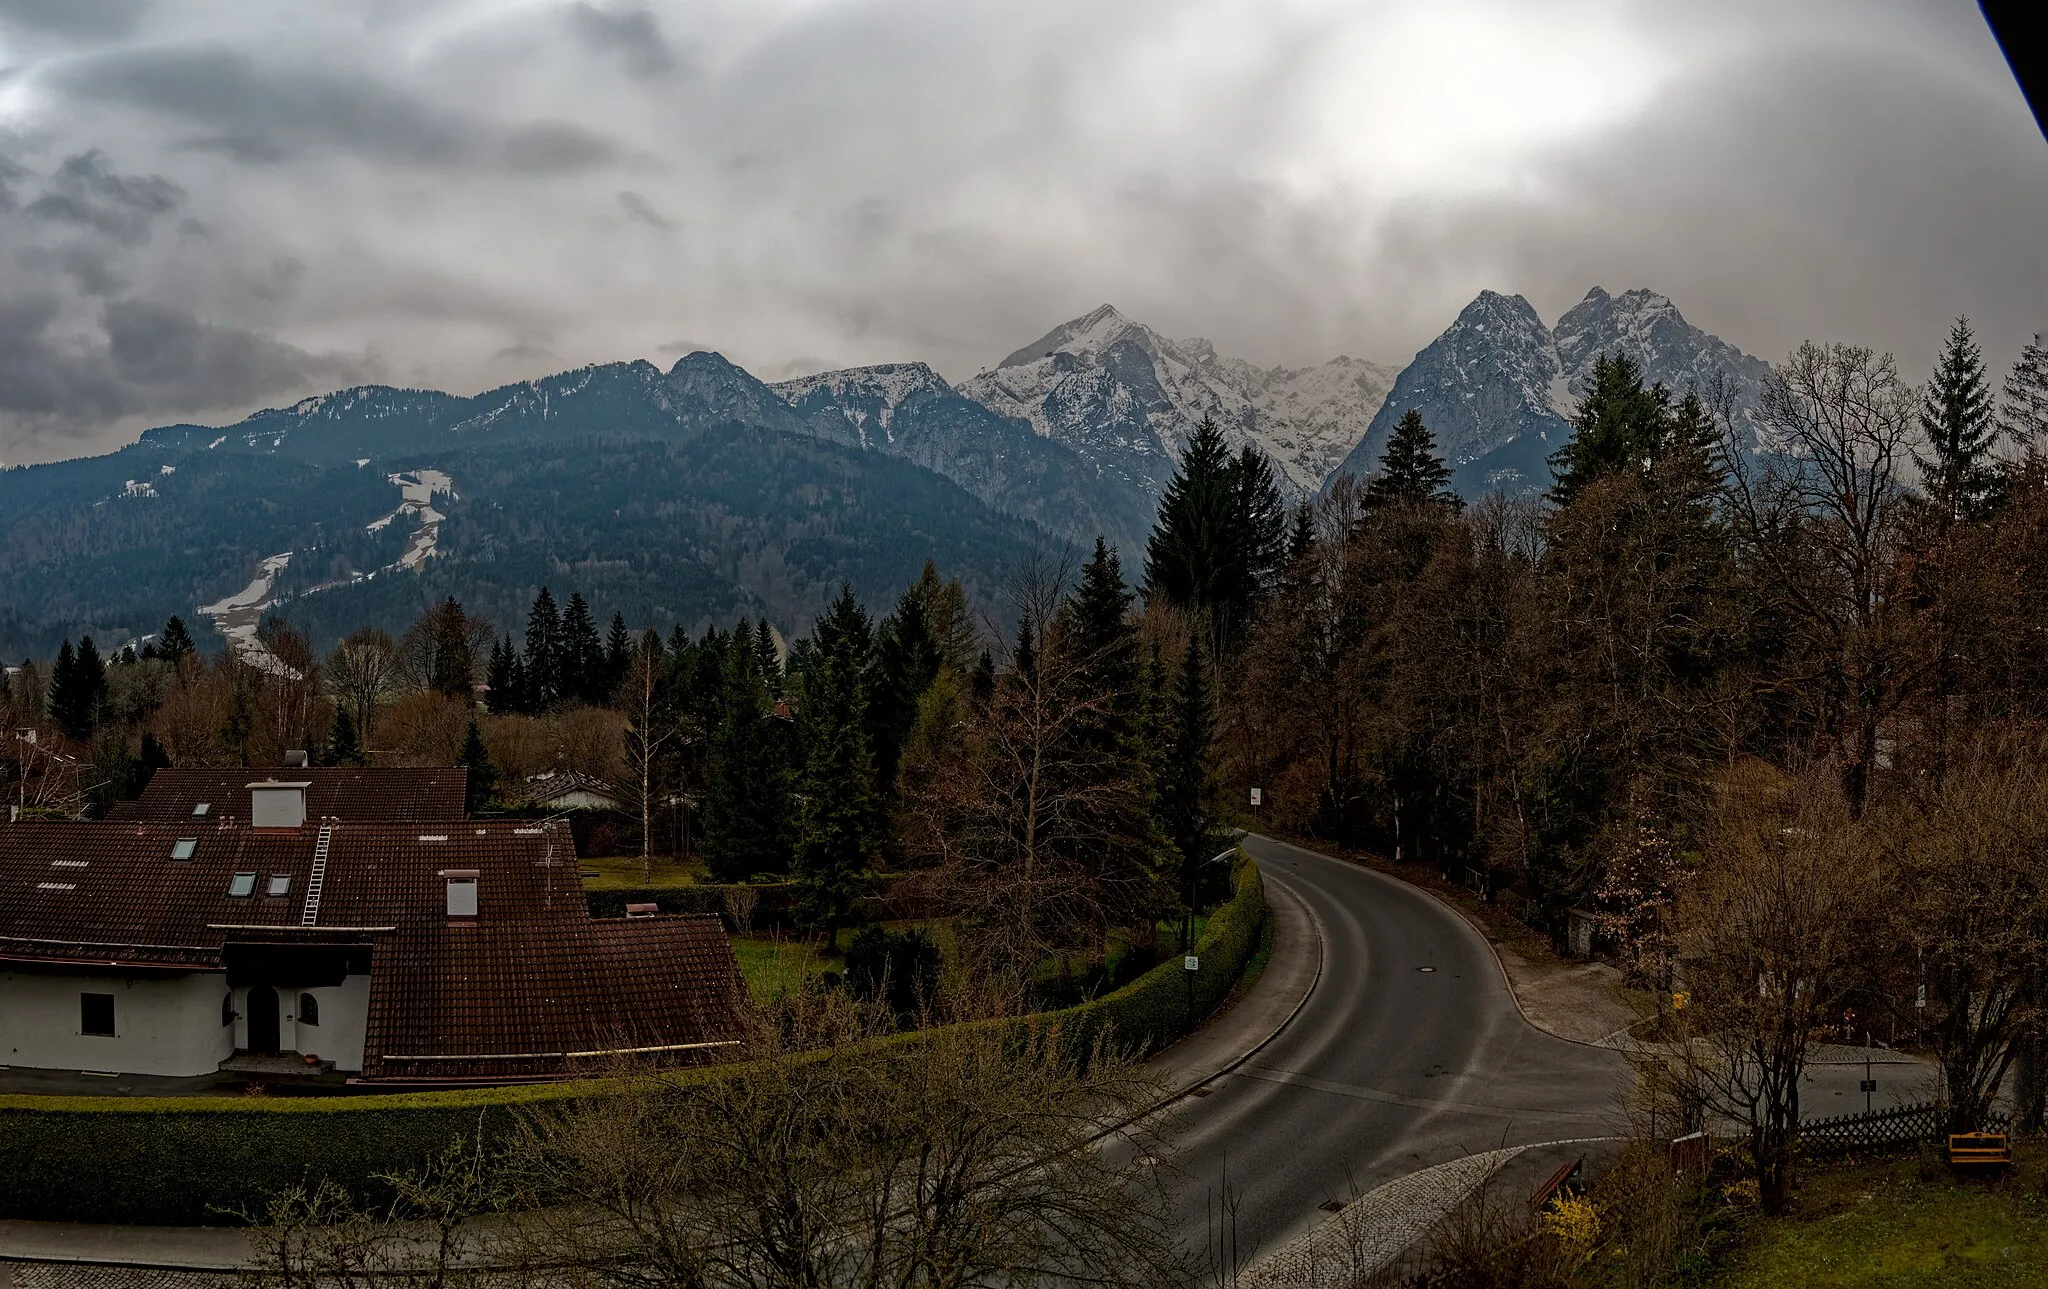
<point>1257,794</point>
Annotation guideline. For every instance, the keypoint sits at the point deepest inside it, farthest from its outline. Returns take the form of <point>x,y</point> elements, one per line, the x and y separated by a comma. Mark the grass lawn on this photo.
<point>1899,1225</point>
<point>623,873</point>
<point>780,964</point>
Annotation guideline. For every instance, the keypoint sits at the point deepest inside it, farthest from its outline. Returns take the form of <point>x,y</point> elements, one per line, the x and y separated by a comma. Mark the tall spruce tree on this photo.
<point>1619,423</point>
<point>1221,533</point>
<point>78,689</point>
<point>747,825</point>
<point>1956,418</point>
<point>543,686</point>
<point>583,664</point>
<point>2023,417</point>
<point>483,773</point>
<point>175,643</point>
<point>908,657</point>
<point>1188,792</point>
<point>506,678</point>
<point>1411,472</point>
<point>768,658</point>
<point>344,746</point>
<point>618,653</point>
<point>1108,747</point>
<point>838,819</point>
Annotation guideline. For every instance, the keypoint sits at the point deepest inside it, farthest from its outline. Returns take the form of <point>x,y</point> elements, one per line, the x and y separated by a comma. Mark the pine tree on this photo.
<point>1186,561</point>
<point>2024,416</point>
<point>505,678</point>
<point>747,796</point>
<point>583,665</point>
<point>1618,424</point>
<point>908,658</point>
<point>151,759</point>
<point>618,654</point>
<point>768,659</point>
<point>1411,473</point>
<point>1956,419</point>
<point>483,775</point>
<point>838,818</point>
<point>1107,740</point>
<point>453,667</point>
<point>543,686</point>
<point>1258,536</point>
<point>981,686</point>
<point>344,747</point>
<point>174,645</point>
<point>1221,533</point>
<point>78,689</point>
<point>1188,795</point>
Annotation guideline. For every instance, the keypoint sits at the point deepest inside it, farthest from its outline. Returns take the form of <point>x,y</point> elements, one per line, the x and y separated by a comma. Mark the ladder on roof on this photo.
<point>318,877</point>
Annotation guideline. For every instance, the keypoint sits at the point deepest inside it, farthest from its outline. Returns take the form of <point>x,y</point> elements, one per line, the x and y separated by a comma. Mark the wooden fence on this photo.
<point>1882,1129</point>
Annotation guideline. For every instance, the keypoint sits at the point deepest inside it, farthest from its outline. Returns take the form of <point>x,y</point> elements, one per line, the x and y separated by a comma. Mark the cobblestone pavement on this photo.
<point>1372,1230</point>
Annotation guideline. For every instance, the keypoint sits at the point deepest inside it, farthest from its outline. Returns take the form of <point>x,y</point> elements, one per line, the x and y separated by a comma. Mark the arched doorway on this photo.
<point>263,1028</point>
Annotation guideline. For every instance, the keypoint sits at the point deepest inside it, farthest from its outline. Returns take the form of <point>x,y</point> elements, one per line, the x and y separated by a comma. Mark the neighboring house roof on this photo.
<point>509,994</point>
<point>556,786</point>
<point>358,794</point>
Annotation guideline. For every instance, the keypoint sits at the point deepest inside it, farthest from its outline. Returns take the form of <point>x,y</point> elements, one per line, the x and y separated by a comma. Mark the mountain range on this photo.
<point>1497,386</point>
<point>699,493</point>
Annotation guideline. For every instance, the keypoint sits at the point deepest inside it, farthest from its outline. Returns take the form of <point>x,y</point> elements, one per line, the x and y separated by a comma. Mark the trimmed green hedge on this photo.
<point>188,1160</point>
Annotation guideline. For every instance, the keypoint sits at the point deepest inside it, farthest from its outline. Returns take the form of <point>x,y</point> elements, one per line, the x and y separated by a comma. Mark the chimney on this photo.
<point>295,759</point>
<point>273,804</point>
<point>461,891</point>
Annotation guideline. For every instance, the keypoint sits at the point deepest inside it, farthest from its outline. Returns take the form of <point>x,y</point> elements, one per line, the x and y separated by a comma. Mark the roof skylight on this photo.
<point>184,847</point>
<point>242,885</point>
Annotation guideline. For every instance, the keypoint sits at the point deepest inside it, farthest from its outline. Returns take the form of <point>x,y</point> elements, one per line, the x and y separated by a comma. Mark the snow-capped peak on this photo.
<point>1127,397</point>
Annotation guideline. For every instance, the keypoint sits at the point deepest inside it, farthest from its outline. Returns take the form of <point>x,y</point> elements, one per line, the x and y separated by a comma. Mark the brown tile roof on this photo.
<point>499,1000</point>
<point>356,794</point>
<point>511,992</point>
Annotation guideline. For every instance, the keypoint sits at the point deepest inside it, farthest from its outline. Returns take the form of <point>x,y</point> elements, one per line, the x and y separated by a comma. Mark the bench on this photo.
<point>1979,1149</point>
<point>1564,1181</point>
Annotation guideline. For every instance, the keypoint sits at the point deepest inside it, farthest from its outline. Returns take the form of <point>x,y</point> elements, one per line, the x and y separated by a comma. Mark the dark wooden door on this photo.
<point>262,1018</point>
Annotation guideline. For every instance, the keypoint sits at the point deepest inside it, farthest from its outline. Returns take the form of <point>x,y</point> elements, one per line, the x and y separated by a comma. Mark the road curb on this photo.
<point>1492,950</point>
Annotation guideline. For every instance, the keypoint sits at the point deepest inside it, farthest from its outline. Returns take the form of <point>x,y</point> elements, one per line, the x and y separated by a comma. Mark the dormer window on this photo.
<point>273,804</point>
<point>184,847</point>
<point>280,885</point>
<point>199,811</point>
<point>461,891</point>
<point>242,885</point>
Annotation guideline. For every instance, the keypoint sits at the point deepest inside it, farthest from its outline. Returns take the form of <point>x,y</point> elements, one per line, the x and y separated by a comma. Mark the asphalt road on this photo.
<point>1408,1052</point>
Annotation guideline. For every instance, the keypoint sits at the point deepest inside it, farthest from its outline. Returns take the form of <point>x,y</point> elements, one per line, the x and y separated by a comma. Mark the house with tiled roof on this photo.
<point>223,923</point>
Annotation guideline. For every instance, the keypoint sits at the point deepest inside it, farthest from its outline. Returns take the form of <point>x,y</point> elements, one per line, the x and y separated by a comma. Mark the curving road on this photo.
<point>1408,1052</point>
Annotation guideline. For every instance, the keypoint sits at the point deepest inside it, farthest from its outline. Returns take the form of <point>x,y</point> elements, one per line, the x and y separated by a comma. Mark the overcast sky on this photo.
<point>214,205</point>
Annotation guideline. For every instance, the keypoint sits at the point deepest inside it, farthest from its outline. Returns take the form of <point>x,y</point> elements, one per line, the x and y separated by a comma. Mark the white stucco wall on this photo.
<point>162,1025</point>
<point>344,1021</point>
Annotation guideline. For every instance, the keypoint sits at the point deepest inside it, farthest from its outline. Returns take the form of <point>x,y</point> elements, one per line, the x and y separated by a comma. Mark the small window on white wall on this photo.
<point>227,1009</point>
<point>309,1010</point>
<point>96,1015</point>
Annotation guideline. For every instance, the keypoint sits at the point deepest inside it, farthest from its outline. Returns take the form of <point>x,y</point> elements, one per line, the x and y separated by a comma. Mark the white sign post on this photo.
<point>1257,794</point>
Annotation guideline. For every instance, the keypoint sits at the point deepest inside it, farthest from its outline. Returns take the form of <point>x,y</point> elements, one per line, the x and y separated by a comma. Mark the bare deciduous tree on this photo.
<point>1773,935</point>
<point>1823,512</point>
<point>363,669</point>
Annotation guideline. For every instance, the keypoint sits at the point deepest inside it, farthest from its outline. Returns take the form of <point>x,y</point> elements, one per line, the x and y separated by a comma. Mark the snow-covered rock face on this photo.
<point>866,398</point>
<point>1648,328</point>
<point>1497,386</point>
<point>1127,397</point>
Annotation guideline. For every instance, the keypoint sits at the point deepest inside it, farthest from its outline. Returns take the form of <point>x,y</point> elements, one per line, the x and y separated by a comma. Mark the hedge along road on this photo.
<point>1408,1052</point>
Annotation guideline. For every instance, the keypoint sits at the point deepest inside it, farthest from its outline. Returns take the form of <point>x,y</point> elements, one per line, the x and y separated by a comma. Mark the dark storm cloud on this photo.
<point>85,192</point>
<point>468,194</point>
<point>78,349</point>
<point>639,208</point>
<point>633,36</point>
<point>267,114</point>
<point>75,18</point>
